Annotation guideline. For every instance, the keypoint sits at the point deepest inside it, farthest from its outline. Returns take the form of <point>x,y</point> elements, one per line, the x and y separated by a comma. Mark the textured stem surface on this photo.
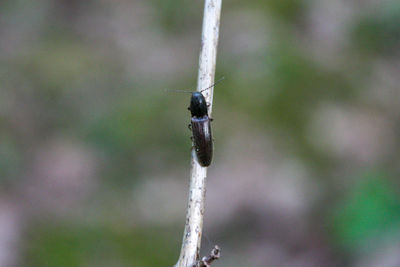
<point>194,219</point>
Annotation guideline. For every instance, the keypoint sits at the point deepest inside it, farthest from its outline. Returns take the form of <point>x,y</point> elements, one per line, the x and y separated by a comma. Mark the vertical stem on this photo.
<point>194,218</point>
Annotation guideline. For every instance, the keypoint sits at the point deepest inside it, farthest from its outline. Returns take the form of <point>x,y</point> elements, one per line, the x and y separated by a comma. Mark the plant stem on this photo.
<point>190,250</point>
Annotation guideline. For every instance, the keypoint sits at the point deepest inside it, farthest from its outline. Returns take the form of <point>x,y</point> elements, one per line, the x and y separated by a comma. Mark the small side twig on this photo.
<point>206,261</point>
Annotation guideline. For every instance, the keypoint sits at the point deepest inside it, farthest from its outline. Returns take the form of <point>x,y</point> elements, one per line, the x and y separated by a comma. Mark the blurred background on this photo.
<point>95,154</point>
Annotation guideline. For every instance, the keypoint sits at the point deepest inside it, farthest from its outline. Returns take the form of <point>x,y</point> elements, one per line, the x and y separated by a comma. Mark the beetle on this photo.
<point>201,129</point>
<point>200,126</point>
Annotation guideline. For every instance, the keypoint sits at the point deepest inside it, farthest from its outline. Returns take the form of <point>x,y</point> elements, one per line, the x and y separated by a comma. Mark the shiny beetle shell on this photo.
<point>202,138</point>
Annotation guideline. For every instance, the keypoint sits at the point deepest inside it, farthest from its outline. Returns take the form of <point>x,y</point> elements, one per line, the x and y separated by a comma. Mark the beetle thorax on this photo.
<point>198,105</point>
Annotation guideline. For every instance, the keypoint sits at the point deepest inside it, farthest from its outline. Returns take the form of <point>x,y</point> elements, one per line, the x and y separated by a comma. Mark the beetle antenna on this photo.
<point>222,78</point>
<point>186,91</point>
<point>179,91</point>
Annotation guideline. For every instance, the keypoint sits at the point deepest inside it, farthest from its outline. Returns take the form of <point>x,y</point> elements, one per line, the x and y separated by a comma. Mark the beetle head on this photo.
<point>198,105</point>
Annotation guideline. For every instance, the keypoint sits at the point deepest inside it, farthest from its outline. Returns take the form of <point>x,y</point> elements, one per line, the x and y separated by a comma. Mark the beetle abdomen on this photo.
<point>202,140</point>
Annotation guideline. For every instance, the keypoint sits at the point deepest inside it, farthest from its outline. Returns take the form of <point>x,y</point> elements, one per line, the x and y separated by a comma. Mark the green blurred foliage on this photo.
<point>369,215</point>
<point>379,32</point>
<point>125,134</point>
<point>10,159</point>
<point>287,10</point>
<point>176,16</point>
<point>78,245</point>
<point>290,89</point>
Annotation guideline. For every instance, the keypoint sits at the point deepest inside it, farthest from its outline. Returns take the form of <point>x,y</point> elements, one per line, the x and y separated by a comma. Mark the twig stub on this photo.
<point>206,261</point>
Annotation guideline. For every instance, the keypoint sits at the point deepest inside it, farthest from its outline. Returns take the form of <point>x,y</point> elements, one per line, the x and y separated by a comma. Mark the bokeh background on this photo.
<point>95,154</point>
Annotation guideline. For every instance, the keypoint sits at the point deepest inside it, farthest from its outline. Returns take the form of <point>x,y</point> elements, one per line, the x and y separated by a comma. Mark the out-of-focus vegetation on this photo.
<point>66,245</point>
<point>94,153</point>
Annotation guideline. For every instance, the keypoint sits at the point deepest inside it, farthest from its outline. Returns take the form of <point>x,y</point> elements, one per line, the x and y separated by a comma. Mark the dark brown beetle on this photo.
<point>201,129</point>
<point>201,126</point>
